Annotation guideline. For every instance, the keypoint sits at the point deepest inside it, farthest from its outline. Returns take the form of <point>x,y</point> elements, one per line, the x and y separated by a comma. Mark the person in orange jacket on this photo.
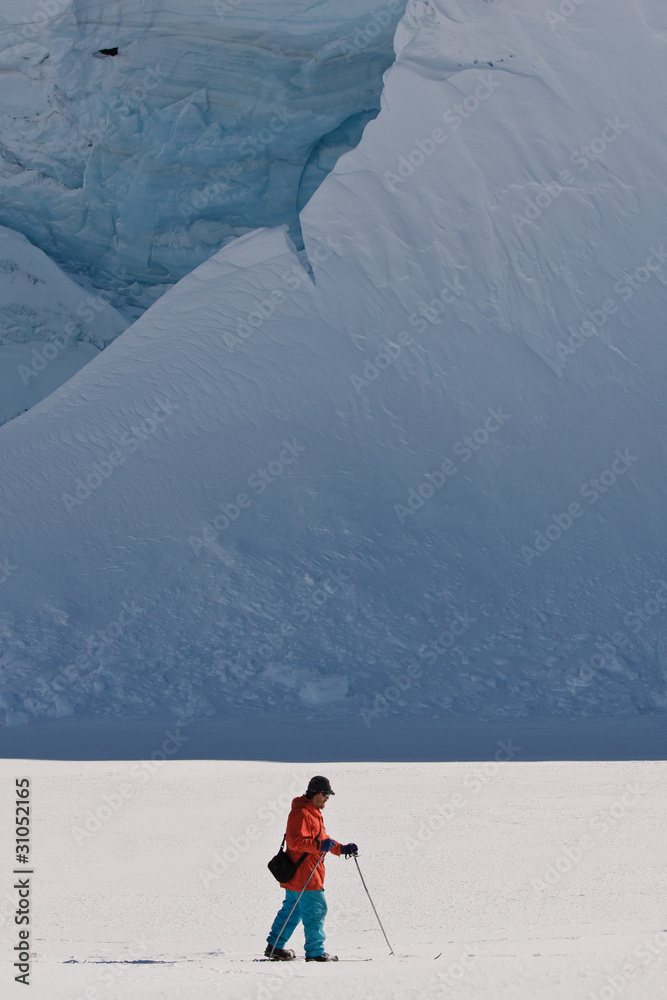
<point>306,842</point>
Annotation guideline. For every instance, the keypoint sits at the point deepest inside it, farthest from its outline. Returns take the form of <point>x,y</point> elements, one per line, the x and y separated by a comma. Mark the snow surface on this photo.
<point>49,327</point>
<point>528,880</point>
<point>253,527</point>
<point>214,117</point>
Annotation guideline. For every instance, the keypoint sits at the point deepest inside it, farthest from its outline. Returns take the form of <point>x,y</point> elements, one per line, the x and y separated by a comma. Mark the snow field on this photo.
<point>528,879</point>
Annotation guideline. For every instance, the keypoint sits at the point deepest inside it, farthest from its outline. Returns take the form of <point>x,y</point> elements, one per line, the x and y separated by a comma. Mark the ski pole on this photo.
<point>391,950</point>
<point>296,903</point>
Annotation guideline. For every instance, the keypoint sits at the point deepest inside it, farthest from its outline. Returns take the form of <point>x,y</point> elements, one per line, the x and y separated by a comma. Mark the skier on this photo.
<point>306,834</point>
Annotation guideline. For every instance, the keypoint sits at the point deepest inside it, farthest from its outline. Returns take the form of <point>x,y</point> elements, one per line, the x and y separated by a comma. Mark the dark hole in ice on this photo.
<point>107,52</point>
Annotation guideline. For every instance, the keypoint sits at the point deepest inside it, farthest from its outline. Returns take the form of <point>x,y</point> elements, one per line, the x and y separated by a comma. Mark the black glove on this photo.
<point>349,850</point>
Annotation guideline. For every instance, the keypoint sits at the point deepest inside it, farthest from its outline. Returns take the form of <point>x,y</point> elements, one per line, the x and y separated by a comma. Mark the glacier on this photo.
<point>415,468</point>
<point>139,138</point>
<point>49,326</point>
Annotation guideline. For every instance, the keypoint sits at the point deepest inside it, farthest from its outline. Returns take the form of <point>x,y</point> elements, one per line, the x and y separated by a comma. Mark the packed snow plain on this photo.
<point>540,881</point>
<point>414,469</point>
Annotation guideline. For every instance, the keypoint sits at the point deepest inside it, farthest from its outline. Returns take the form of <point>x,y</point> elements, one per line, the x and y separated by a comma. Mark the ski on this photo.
<point>124,961</point>
<point>278,961</point>
<point>199,956</point>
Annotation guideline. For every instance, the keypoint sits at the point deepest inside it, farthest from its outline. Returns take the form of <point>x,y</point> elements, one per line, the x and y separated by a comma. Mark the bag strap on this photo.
<point>317,841</point>
<point>297,863</point>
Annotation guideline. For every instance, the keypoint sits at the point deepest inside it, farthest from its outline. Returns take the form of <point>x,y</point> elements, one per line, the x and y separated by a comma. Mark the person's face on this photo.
<point>320,800</point>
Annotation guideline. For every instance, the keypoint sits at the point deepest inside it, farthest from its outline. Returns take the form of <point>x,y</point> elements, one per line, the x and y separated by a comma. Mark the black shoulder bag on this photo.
<point>282,867</point>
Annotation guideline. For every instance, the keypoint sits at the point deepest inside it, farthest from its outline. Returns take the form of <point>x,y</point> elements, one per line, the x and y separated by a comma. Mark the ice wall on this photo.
<point>428,479</point>
<point>196,126</point>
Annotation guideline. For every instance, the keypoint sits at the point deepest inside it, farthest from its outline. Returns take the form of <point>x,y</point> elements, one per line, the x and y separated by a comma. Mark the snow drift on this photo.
<point>421,469</point>
<point>49,327</point>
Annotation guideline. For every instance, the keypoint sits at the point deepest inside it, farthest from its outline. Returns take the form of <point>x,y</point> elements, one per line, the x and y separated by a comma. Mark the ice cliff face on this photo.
<point>137,138</point>
<point>427,477</point>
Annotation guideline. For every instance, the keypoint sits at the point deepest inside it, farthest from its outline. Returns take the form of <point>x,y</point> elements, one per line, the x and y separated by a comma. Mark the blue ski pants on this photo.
<point>312,909</point>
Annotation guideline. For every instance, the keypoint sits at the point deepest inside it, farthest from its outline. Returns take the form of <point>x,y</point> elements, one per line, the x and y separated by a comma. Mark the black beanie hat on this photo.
<point>319,784</point>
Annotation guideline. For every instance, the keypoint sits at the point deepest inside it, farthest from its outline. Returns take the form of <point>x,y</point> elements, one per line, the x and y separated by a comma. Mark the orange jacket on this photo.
<point>305,832</point>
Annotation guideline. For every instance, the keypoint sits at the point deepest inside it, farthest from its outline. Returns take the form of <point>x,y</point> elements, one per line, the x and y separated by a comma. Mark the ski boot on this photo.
<point>279,954</point>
